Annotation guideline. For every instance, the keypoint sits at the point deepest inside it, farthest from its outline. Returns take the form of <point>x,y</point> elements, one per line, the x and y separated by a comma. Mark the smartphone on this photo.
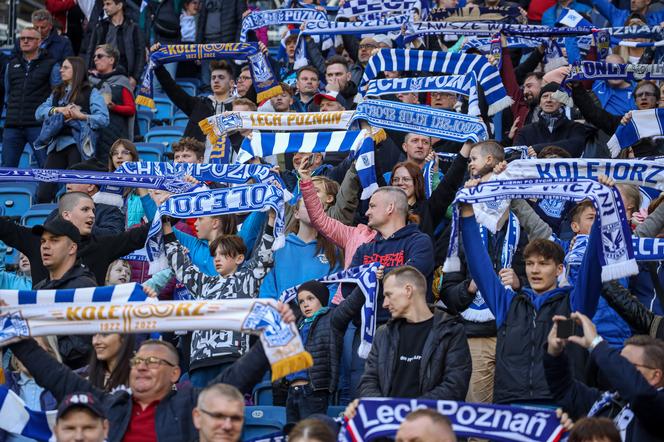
<point>568,328</point>
<point>308,162</point>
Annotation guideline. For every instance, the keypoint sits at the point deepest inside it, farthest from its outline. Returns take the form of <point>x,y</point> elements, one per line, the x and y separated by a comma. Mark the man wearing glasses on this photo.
<point>28,81</point>
<point>156,410</point>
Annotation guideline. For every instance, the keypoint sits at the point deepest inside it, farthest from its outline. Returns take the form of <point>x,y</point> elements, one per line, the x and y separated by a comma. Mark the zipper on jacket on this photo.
<point>532,354</point>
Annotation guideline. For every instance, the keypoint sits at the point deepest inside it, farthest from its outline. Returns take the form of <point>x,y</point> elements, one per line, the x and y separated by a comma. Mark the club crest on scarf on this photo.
<point>265,318</point>
<point>260,70</point>
<point>13,326</point>
<point>612,238</point>
<point>45,175</point>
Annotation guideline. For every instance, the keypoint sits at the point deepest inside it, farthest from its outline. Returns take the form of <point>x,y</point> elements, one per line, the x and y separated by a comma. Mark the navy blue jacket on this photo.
<point>646,403</point>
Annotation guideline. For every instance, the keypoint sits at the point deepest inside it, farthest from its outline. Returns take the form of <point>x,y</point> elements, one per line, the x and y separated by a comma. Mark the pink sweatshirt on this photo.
<point>349,238</point>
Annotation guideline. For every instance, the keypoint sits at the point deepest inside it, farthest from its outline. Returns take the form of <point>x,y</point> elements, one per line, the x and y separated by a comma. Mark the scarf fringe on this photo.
<point>112,199</point>
<point>619,270</point>
<point>291,364</point>
<point>364,349</point>
<point>483,315</point>
<point>269,93</point>
<point>142,100</point>
<point>368,191</point>
<point>499,105</point>
<point>452,264</point>
<point>488,220</point>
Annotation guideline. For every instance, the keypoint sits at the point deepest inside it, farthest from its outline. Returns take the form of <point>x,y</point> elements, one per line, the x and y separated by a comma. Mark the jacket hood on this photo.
<point>76,272</point>
<point>540,299</point>
<point>405,231</point>
<point>295,240</point>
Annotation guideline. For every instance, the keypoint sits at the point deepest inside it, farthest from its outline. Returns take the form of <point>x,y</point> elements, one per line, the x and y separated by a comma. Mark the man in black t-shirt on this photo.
<point>422,351</point>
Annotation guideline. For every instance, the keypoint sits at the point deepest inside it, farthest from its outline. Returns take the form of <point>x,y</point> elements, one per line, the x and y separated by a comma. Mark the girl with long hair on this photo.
<point>109,364</point>
<point>70,115</point>
<point>120,152</point>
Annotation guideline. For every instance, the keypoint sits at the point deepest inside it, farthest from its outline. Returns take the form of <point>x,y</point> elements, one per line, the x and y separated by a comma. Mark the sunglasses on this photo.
<point>98,56</point>
<point>28,38</point>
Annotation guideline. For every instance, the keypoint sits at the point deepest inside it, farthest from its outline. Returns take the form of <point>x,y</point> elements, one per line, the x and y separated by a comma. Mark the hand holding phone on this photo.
<point>567,328</point>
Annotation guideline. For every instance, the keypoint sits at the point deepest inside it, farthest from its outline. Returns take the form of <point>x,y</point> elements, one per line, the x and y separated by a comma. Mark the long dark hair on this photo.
<point>79,81</point>
<point>120,376</point>
<point>416,174</point>
<point>332,253</point>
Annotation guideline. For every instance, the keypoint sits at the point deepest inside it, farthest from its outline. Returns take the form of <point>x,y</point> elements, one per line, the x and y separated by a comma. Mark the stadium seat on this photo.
<point>180,119</point>
<point>262,420</point>
<point>335,410</point>
<point>262,394</point>
<point>150,151</point>
<point>37,214</point>
<point>164,108</point>
<point>15,199</point>
<point>24,162</point>
<point>188,87</point>
<point>193,80</point>
<point>144,117</point>
<point>165,135</point>
<point>11,256</point>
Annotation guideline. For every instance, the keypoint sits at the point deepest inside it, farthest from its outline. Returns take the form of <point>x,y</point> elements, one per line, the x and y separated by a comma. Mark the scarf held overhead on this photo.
<point>372,9</point>
<point>451,84</point>
<point>408,60</point>
<point>281,342</point>
<point>616,255</point>
<point>261,19</point>
<point>643,124</point>
<point>424,120</point>
<point>507,14</point>
<point>365,278</point>
<point>381,418</point>
<point>224,173</point>
<point>263,78</point>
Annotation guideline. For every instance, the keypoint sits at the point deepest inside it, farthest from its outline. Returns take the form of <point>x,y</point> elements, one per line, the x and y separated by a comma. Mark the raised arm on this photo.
<point>444,194</point>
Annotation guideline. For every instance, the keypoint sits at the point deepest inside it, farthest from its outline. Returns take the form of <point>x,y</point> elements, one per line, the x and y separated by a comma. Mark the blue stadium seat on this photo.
<point>188,87</point>
<point>24,162</point>
<point>262,420</point>
<point>193,80</point>
<point>144,117</point>
<point>165,108</point>
<point>11,256</point>
<point>180,119</point>
<point>37,214</point>
<point>335,410</point>
<point>164,134</point>
<point>2,211</point>
<point>262,393</point>
<point>15,199</point>
<point>150,151</point>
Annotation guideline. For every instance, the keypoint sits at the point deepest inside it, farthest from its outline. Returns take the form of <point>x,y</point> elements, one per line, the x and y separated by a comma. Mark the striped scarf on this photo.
<point>616,254</point>
<point>225,173</point>
<point>365,278</point>
<point>374,9</point>
<point>263,78</point>
<point>62,316</point>
<point>487,75</point>
<point>506,14</point>
<point>644,123</point>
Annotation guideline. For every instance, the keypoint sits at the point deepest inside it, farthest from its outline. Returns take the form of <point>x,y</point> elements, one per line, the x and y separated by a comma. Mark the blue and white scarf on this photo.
<point>424,120</point>
<point>644,123</point>
<point>639,172</point>
<point>16,418</point>
<point>261,19</point>
<point>264,80</point>
<point>365,278</point>
<point>381,418</point>
<point>505,14</point>
<point>616,254</point>
<point>263,144</point>
<point>572,19</point>
<point>224,173</point>
<point>483,44</point>
<point>375,9</point>
<point>131,292</point>
<point>452,84</point>
<point>442,63</point>
<point>390,25</point>
<point>239,199</point>
<point>645,249</point>
<point>597,70</point>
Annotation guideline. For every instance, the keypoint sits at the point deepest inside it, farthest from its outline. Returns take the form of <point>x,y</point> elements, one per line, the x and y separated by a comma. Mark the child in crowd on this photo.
<point>214,350</point>
<point>18,280</point>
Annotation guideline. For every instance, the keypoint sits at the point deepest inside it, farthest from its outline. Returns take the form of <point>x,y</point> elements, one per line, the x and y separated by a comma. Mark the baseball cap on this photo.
<point>80,400</point>
<point>332,96</point>
<point>58,226</point>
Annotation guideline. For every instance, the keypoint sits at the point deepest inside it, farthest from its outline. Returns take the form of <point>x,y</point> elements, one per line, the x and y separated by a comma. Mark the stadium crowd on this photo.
<point>549,307</point>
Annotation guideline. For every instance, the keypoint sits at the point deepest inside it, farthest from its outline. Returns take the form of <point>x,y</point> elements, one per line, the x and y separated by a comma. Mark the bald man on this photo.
<point>425,425</point>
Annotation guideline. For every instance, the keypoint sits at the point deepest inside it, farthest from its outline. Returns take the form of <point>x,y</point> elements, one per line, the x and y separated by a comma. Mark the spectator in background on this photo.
<point>81,414</point>
<point>615,96</point>
<point>425,425</point>
<point>29,78</point>
<point>307,84</point>
<point>120,31</point>
<point>243,82</point>
<point>338,78</point>
<point>122,151</point>
<point>111,80</point>
<point>58,47</point>
<point>219,21</point>
<point>594,429</point>
<point>109,362</point>
<point>283,101</point>
<point>189,20</point>
<point>70,117</point>
<point>219,413</point>
<point>21,279</point>
<point>617,17</point>
<point>551,15</point>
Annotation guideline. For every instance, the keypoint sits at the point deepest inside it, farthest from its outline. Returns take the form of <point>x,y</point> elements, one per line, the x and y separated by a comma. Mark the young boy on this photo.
<point>524,317</point>
<point>214,350</point>
<point>188,150</point>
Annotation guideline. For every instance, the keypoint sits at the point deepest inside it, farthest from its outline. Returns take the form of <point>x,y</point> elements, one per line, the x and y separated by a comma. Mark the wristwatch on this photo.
<point>595,342</point>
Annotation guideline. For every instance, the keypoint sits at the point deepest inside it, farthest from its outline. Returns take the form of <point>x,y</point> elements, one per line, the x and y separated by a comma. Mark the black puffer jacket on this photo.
<point>173,420</point>
<point>445,367</point>
<point>324,343</point>
<point>75,350</point>
<point>568,134</point>
<point>639,318</point>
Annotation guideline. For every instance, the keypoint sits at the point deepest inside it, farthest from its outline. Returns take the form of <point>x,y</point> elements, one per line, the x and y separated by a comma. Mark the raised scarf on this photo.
<point>644,123</point>
<point>424,120</point>
<point>365,278</point>
<point>438,62</point>
<point>451,84</point>
<point>616,254</point>
<point>506,14</point>
<point>263,78</point>
<point>281,341</point>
